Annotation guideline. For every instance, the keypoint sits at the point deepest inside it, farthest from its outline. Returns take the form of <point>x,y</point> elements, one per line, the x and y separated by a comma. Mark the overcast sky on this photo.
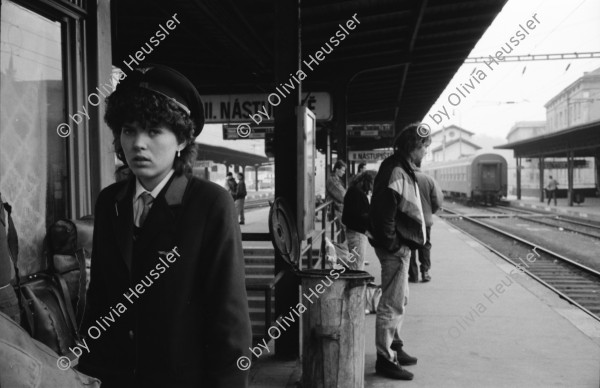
<point>565,26</point>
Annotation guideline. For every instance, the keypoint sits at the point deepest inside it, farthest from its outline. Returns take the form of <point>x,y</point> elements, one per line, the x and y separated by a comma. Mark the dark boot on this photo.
<point>425,276</point>
<point>403,358</point>
<point>387,368</point>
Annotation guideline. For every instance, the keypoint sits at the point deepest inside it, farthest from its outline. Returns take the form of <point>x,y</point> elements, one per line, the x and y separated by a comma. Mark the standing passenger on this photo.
<point>396,226</point>
<point>551,189</point>
<point>336,191</point>
<point>240,197</point>
<point>231,185</point>
<point>356,217</point>
<point>431,200</point>
<point>166,305</point>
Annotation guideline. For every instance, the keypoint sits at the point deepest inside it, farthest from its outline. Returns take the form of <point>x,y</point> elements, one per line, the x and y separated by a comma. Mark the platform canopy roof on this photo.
<point>583,140</point>
<point>394,65</point>
<point>229,156</point>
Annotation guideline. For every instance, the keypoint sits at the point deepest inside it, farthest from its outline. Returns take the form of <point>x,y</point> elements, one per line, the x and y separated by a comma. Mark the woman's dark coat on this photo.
<point>191,324</point>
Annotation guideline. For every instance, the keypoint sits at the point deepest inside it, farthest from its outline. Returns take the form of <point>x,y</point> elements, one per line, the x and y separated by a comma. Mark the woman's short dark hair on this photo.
<point>339,164</point>
<point>409,139</point>
<point>363,181</point>
<point>150,109</point>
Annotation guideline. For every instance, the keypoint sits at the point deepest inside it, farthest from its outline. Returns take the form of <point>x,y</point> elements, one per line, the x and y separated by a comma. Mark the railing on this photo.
<point>326,210</point>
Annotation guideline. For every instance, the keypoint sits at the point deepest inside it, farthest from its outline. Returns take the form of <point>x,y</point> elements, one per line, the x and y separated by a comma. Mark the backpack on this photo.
<point>42,302</point>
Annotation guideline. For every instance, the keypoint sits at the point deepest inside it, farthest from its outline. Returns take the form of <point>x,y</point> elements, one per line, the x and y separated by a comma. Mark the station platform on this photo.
<point>474,325</point>
<point>589,209</point>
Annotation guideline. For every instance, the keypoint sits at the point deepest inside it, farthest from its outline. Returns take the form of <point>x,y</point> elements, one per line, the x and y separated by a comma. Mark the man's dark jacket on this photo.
<point>396,214</point>
<point>241,192</point>
<point>189,326</point>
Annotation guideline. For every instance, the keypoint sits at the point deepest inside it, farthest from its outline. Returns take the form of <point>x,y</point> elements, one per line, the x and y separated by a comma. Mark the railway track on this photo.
<point>257,203</point>
<point>572,281</point>
<point>559,222</point>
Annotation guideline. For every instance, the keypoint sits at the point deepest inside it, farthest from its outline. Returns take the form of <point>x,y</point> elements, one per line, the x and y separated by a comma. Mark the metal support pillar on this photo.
<point>597,168</point>
<point>339,101</point>
<point>541,165</point>
<point>286,162</point>
<point>570,192</point>
<point>256,167</point>
<point>519,162</point>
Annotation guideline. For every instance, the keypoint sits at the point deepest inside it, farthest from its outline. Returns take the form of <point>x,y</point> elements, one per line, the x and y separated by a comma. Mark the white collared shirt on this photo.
<point>138,206</point>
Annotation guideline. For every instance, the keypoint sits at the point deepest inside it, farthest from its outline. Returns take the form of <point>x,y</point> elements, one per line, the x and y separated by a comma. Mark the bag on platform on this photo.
<point>53,300</point>
<point>42,302</point>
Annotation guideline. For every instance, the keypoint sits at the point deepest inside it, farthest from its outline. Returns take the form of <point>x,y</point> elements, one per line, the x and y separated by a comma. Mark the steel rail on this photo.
<point>551,218</point>
<point>556,216</point>
<point>579,266</point>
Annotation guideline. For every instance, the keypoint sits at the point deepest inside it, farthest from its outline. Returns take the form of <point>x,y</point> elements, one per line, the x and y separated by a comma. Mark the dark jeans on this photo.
<point>424,258</point>
<point>551,194</point>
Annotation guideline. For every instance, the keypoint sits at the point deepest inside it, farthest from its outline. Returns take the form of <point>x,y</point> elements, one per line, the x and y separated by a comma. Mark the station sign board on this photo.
<point>368,156</point>
<point>383,129</point>
<point>230,132</point>
<point>237,108</point>
<point>554,164</point>
<point>203,164</point>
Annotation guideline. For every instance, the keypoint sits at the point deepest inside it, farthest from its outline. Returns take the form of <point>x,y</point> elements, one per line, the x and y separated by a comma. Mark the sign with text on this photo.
<point>368,156</point>
<point>371,130</point>
<point>230,132</point>
<point>237,108</point>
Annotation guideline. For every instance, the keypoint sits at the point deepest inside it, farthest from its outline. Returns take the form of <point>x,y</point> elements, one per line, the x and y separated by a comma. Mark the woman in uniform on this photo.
<point>166,304</point>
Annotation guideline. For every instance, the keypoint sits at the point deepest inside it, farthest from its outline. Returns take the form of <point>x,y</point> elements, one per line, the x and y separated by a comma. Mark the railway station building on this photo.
<point>566,146</point>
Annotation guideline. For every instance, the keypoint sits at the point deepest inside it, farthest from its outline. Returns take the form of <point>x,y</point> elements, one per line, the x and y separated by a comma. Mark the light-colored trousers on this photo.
<point>394,298</point>
<point>239,205</point>
<point>357,246</point>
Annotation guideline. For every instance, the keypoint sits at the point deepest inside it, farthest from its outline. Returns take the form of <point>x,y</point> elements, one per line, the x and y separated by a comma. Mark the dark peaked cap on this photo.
<point>171,84</point>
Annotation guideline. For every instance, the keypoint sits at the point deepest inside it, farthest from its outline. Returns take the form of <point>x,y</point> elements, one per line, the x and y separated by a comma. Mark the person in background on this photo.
<point>167,269</point>
<point>431,200</point>
<point>231,185</point>
<point>336,190</point>
<point>240,197</point>
<point>362,167</point>
<point>551,189</point>
<point>396,225</point>
<point>356,217</point>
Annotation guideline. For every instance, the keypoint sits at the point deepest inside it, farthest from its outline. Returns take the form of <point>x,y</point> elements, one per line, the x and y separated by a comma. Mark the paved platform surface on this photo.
<point>589,209</point>
<point>474,325</point>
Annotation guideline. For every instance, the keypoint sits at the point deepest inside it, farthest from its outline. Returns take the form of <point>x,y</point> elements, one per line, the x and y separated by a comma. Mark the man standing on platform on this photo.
<point>396,226</point>
<point>551,189</point>
<point>231,185</point>
<point>336,190</point>
<point>431,200</point>
<point>240,197</point>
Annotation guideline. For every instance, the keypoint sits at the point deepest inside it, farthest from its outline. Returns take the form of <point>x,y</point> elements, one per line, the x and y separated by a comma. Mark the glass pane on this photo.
<point>33,163</point>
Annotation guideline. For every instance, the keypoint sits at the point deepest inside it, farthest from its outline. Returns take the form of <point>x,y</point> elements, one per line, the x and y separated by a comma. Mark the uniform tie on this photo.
<point>146,200</point>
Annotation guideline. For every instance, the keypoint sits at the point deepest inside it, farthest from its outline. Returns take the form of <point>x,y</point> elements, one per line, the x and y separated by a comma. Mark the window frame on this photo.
<point>73,49</point>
